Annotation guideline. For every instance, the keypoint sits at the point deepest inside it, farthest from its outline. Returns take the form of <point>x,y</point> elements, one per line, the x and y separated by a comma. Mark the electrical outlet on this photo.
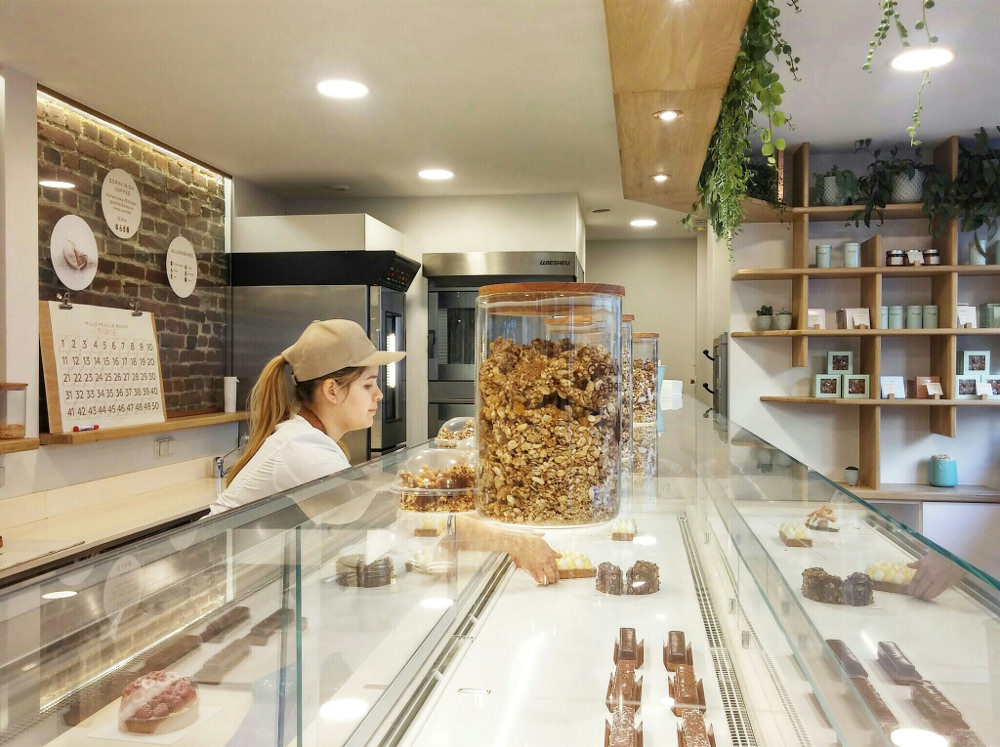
<point>164,446</point>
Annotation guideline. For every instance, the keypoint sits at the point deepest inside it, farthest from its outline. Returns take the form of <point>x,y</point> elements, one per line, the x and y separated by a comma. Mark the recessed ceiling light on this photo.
<point>56,184</point>
<point>342,89</point>
<point>659,178</point>
<point>915,60</point>
<point>917,738</point>
<point>642,223</point>
<point>59,594</point>
<point>435,175</point>
<point>668,115</point>
<point>601,210</point>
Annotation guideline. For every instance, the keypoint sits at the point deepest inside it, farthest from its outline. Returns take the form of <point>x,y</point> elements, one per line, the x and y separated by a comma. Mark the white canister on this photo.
<point>823,255</point>
<point>914,317</point>
<point>930,316</point>
<point>852,254</point>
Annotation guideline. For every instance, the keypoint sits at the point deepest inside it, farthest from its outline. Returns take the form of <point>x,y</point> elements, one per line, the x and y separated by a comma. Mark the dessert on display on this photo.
<point>627,649</point>
<point>820,586</point>
<point>623,530</point>
<point>642,578</point>
<point>624,688</point>
<point>622,731</point>
<point>847,658</point>
<point>575,564</point>
<point>675,651</point>
<point>430,526</point>
<point>686,690</point>
<point>823,519</point>
<point>437,480</point>
<point>875,703</point>
<point>891,576</point>
<point>176,650</point>
<point>353,571</point>
<point>213,670</point>
<point>224,622</point>
<point>609,579</point>
<point>458,432</point>
<point>691,731</point>
<point>896,665</point>
<point>158,702</point>
<point>857,590</point>
<point>966,738</point>
<point>261,633</point>
<point>794,535</point>
<point>936,708</point>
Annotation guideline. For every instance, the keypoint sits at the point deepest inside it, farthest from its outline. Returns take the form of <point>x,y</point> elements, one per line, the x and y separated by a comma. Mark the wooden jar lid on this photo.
<point>570,289</point>
<point>645,335</point>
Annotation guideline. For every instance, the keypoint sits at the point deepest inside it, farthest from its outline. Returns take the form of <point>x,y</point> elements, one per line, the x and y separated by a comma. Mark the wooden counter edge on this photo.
<point>180,423</point>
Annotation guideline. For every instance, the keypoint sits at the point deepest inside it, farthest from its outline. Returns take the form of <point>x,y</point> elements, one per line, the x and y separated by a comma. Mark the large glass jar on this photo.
<point>644,360</point>
<point>13,408</point>
<point>548,390</point>
<point>626,435</point>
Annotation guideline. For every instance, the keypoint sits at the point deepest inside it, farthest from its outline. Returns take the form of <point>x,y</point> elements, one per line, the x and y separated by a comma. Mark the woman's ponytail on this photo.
<point>269,406</point>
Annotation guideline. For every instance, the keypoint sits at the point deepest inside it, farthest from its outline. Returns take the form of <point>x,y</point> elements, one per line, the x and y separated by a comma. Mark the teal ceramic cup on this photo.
<point>942,472</point>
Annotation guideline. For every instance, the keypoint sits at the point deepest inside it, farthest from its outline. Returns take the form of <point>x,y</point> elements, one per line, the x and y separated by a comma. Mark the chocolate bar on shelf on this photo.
<point>936,708</point>
<point>691,731</point>
<point>675,651</point>
<point>624,689</point>
<point>626,647</point>
<point>164,658</point>
<point>224,622</point>
<point>847,658</point>
<point>622,731</point>
<point>966,738</point>
<point>896,665</point>
<point>686,690</point>
<point>213,670</point>
<point>261,633</point>
<point>875,704</point>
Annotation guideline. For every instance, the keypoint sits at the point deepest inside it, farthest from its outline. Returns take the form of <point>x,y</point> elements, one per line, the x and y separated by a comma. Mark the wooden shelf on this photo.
<point>840,273</point>
<point>927,493</point>
<point>908,402</point>
<point>844,212</point>
<point>179,423</point>
<point>761,211</point>
<point>11,445</point>
<point>936,332</point>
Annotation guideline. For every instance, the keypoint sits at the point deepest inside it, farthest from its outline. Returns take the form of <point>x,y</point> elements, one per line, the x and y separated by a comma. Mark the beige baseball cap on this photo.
<point>333,344</point>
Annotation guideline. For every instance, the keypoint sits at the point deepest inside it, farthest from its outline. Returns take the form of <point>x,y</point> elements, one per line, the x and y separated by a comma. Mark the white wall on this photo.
<point>249,199</point>
<point>504,223</point>
<point>825,437</point>
<point>660,279</point>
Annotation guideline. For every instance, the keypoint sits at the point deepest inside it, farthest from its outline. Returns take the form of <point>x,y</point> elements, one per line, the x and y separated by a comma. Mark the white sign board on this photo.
<point>182,267</point>
<point>121,203</point>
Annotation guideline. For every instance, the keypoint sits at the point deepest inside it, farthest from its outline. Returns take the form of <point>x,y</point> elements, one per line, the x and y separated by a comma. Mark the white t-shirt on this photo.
<point>294,454</point>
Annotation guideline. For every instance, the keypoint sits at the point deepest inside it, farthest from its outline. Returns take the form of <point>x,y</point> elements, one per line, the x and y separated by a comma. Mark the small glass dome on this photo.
<point>438,480</point>
<point>457,433</point>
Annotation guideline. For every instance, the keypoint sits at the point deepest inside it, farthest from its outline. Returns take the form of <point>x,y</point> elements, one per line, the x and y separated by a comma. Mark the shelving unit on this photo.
<point>12,445</point>
<point>942,341</point>
<point>180,423</point>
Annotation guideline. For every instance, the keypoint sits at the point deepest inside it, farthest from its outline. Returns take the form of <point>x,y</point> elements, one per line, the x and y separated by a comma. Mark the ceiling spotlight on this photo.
<point>668,115</point>
<point>342,89</point>
<point>642,223</point>
<point>435,175</point>
<point>916,60</point>
<point>659,178</point>
<point>56,184</point>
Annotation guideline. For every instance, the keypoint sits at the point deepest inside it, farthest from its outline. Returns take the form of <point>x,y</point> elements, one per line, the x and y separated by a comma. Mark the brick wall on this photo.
<point>179,198</point>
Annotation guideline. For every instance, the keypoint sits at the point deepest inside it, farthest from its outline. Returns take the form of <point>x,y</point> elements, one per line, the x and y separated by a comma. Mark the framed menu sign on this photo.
<point>121,204</point>
<point>102,367</point>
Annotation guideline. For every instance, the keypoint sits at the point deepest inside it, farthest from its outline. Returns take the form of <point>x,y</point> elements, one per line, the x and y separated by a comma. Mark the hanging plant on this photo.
<point>754,88</point>
<point>974,195</point>
<point>890,19</point>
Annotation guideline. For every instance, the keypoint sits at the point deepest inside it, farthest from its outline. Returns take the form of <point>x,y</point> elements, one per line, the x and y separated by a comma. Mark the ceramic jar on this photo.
<point>823,255</point>
<point>895,317</point>
<point>914,317</point>
<point>930,316</point>
<point>977,252</point>
<point>852,254</point>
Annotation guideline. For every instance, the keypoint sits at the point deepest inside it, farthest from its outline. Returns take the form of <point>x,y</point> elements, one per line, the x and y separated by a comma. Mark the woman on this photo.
<point>334,369</point>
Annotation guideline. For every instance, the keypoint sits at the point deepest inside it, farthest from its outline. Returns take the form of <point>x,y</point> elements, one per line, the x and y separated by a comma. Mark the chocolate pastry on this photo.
<point>935,707</point>
<point>847,658</point>
<point>675,651</point>
<point>896,665</point>
<point>875,703</point>
<point>624,688</point>
<point>212,671</point>
<point>627,649</point>
<point>686,690</point>
<point>966,738</point>
<point>609,579</point>
<point>224,622</point>
<point>261,633</point>
<point>821,586</point>
<point>357,573</point>
<point>642,578</point>
<point>179,648</point>
<point>857,590</point>
<point>622,732</point>
<point>691,732</point>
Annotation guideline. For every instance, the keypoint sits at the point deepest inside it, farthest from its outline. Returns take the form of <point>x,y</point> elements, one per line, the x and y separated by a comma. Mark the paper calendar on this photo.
<point>102,367</point>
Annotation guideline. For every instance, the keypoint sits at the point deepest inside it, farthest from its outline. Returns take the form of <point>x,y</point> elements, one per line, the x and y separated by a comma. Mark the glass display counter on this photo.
<point>326,616</point>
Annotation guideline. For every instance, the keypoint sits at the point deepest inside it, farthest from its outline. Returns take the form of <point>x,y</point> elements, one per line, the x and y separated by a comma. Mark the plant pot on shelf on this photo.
<point>783,320</point>
<point>763,322</point>
<point>829,192</point>
<point>908,188</point>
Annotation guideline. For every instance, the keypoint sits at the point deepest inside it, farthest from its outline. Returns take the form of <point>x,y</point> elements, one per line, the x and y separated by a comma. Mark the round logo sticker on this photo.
<point>182,267</point>
<point>74,252</point>
<point>121,204</point>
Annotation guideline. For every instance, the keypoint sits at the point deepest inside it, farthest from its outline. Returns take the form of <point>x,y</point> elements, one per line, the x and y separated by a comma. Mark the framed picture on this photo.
<point>965,386</point>
<point>827,385</point>
<point>894,385</point>
<point>975,362</point>
<point>855,386</point>
<point>966,316</point>
<point>840,362</point>
<point>921,388</point>
<point>817,319</point>
<point>992,382</point>
<point>934,387</point>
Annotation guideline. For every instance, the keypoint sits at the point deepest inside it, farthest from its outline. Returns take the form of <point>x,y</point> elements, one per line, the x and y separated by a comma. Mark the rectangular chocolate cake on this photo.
<point>896,665</point>
<point>857,590</point>
<point>847,658</point>
<point>821,586</point>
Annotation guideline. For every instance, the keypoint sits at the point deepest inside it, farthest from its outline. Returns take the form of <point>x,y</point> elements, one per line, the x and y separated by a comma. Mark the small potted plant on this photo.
<point>764,317</point>
<point>836,186</point>
<point>783,319</point>
<point>974,195</point>
<point>894,179</point>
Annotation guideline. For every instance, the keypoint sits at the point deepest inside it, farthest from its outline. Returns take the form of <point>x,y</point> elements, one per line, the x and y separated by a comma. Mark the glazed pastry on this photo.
<point>675,651</point>
<point>224,622</point>
<point>609,579</point>
<point>847,658</point>
<point>875,704</point>
<point>894,577</point>
<point>691,732</point>
<point>642,578</point>
<point>158,702</point>
<point>821,586</point>
<point>823,519</point>
<point>574,564</point>
<point>857,590</point>
<point>176,650</point>
<point>623,530</point>
<point>686,691</point>
<point>936,708</point>
<point>896,665</point>
<point>794,535</point>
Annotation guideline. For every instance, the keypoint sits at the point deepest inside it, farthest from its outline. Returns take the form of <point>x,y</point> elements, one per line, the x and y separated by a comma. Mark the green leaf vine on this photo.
<point>755,87</point>
<point>890,19</point>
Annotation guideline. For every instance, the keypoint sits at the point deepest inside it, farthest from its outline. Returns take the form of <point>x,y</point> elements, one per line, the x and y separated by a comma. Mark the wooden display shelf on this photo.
<point>844,212</point>
<point>11,445</point>
<point>840,273</point>
<point>935,332</point>
<point>178,423</point>
<point>927,493</point>
<point>908,402</point>
<point>761,211</point>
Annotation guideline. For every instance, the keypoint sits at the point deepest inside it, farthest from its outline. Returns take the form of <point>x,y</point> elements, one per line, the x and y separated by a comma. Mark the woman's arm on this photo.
<point>526,548</point>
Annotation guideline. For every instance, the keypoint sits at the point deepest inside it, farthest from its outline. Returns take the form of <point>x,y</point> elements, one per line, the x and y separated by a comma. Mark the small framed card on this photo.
<point>855,386</point>
<point>966,316</point>
<point>921,388</point>
<point>840,362</point>
<point>854,319</point>
<point>975,362</point>
<point>934,387</point>
<point>992,383</point>
<point>816,319</point>
<point>966,386</point>
<point>827,385</point>
<point>893,387</point>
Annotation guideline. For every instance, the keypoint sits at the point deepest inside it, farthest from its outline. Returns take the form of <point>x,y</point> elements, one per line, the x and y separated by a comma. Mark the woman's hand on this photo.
<point>530,552</point>
<point>935,573</point>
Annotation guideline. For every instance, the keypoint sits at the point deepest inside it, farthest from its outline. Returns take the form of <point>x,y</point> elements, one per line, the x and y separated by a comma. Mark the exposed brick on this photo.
<point>51,155</point>
<point>56,135</point>
<point>106,137</point>
<point>93,149</point>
